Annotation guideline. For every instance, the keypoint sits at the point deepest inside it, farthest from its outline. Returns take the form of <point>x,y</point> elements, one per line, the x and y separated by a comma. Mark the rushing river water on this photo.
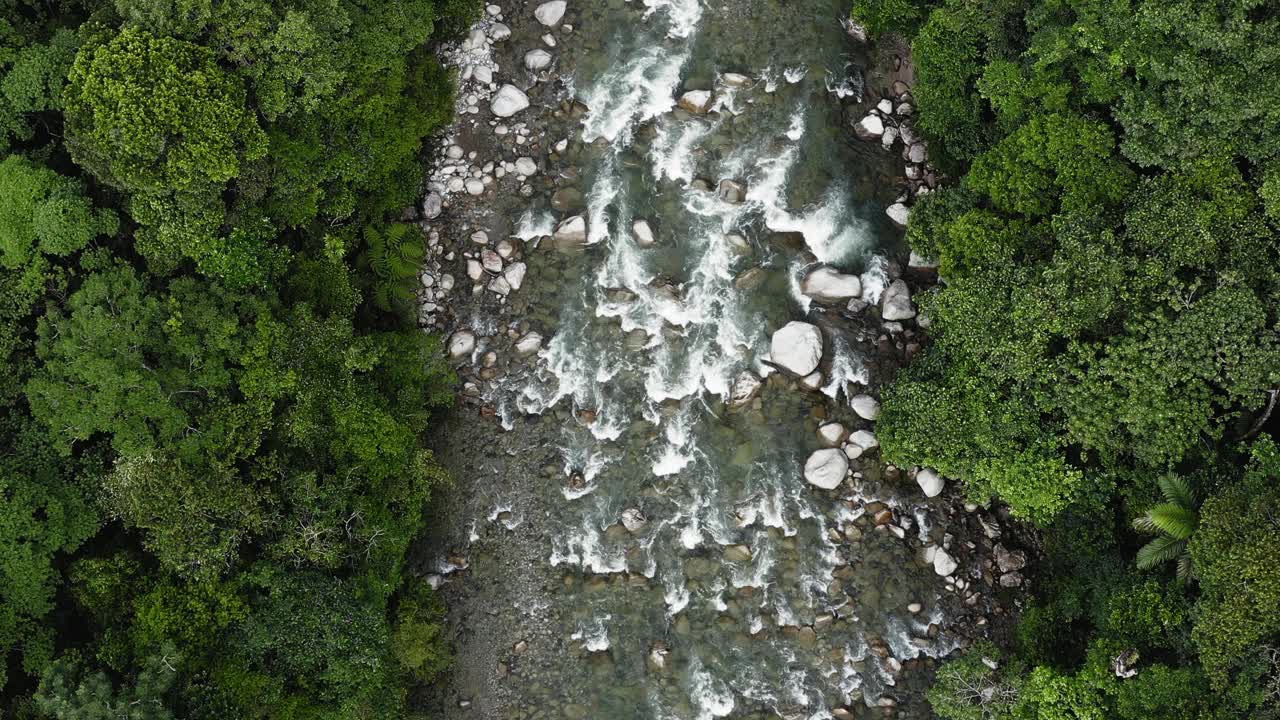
<point>739,590</point>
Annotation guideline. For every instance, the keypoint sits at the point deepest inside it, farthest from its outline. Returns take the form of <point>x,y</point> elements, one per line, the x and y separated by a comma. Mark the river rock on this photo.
<point>567,199</point>
<point>917,153</point>
<point>537,59</point>
<point>735,80</point>
<point>508,101</point>
<point>930,482</point>
<point>744,388</point>
<point>696,101</point>
<point>475,270</point>
<point>432,206</point>
<point>515,274</point>
<point>498,32</point>
<point>867,407</point>
<point>634,520</point>
<point>826,469</point>
<point>864,440</point>
<point>474,186</point>
<point>797,348</point>
<point>526,166</point>
<point>571,232</point>
<point>643,233</point>
<point>461,344</point>
<point>1009,561</point>
<point>490,260</point>
<point>870,127</point>
<point>898,213</point>
<point>550,13</point>
<point>732,191</point>
<point>831,434</point>
<point>828,285</point>
<point>529,343</point>
<point>750,279</point>
<point>943,563</point>
<point>896,303</point>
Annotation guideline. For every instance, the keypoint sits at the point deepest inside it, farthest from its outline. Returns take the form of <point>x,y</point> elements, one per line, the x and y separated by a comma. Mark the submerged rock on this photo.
<point>826,469</point>
<point>744,388</point>
<point>797,348</point>
<point>508,101</point>
<point>529,343</point>
<point>732,191</point>
<point>828,285</point>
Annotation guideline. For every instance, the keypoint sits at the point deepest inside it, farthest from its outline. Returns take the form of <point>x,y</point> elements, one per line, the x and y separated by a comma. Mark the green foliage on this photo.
<point>1234,553</point>
<point>394,256</point>
<point>42,211</point>
<point>948,59</point>
<point>44,515</point>
<point>885,16</point>
<point>68,692</point>
<point>1173,521</point>
<point>1052,162</point>
<point>972,686</point>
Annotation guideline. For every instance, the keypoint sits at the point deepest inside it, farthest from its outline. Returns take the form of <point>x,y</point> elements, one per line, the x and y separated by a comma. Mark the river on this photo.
<point>621,541</point>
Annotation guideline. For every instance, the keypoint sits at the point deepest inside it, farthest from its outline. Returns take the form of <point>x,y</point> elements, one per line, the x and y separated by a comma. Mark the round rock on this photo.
<point>797,348</point>
<point>826,469</point>
<point>930,482</point>
<point>508,101</point>
<point>550,13</point>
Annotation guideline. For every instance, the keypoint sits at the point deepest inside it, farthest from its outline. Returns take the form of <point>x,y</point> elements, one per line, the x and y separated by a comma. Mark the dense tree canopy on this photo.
<point>212,427</point>
<point>1106,345</point>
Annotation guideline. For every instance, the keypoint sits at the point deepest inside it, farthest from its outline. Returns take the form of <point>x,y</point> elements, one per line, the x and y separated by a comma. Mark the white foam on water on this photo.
<point>632,93</point>
<point>671,154</point>
<point>712,697</point>
<point>795,74</point>
<point>594,633</point>
<point>534,224</point>
<point>675,592</point>
<point>682,15</point>
<point>875,279</point>
<point>847,369</point>
<point>583,548</point>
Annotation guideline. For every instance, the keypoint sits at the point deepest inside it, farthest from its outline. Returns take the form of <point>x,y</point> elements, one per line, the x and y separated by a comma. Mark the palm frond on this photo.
<point>1185,569</point>
<point>1143,524</point>
<point>1177,490</point>
<point>1174,520</point>
<point>1160,551</point>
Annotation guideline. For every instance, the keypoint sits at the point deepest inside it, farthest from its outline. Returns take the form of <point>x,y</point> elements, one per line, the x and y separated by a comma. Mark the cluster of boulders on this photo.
<point>890,123</point>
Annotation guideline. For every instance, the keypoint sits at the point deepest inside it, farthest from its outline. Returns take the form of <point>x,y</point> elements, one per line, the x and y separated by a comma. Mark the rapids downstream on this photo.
<point>631,534</point>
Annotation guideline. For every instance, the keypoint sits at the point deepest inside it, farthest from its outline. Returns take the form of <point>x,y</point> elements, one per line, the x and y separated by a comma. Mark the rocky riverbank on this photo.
<point>514,224</point>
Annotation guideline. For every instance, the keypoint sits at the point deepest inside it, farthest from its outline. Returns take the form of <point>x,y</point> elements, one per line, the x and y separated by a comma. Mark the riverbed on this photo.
<point>630,532</point>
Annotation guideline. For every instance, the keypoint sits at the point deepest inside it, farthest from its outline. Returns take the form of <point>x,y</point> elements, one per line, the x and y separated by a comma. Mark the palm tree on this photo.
<point>1172,522</point>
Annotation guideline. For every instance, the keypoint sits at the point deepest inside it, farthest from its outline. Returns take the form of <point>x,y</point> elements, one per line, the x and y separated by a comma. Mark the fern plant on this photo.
<point>394,257</point>
<point>1172,522</point>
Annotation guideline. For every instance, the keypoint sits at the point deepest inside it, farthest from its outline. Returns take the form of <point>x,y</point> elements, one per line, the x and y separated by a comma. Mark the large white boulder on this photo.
<point>537,59</point>
<point>797,348</point>
<point>828,285</point>
<point>696,101</point>
<point>930,482</point>
<point>896,303</point>
<point>571,232</point>
<point>898,213</point>
<point>826,469</point>
<point>643,233</point>
<point>870,127</point>
<point>462,344</point>
<point>943,563</point>
<point>867,407</point>
<point>508,101</point>
<point>550,13</point>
